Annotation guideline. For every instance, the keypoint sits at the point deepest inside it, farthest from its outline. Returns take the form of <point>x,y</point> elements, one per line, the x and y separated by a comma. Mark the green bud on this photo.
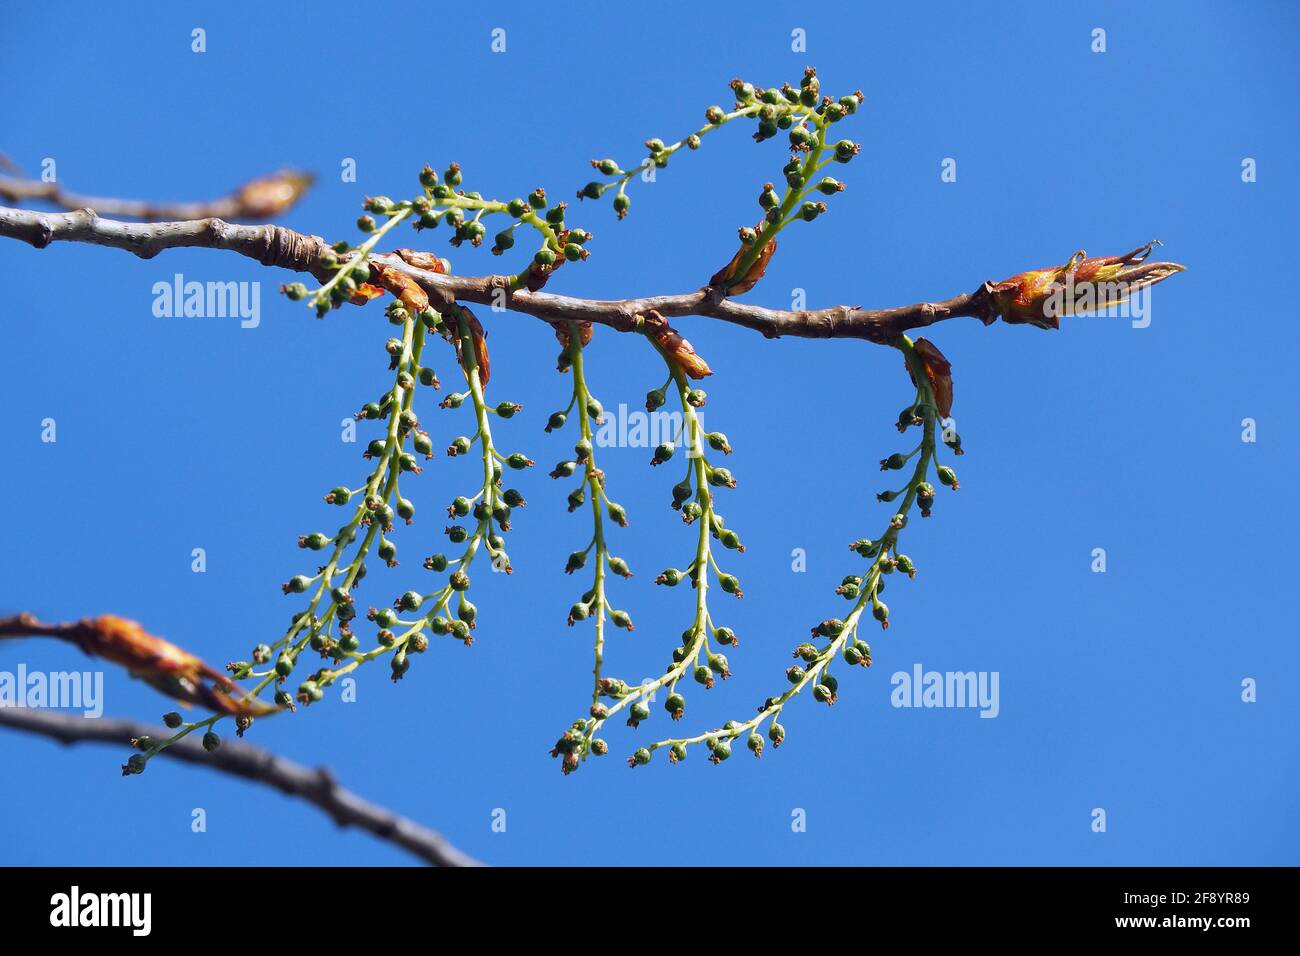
<point>776,734</point>
<point>400,664</point>
<point>638,712</point>
<point>721,750</point>
<point>721,478</point>
<point>675,705</point>
<point>135,763</point>
<point>811,210</point>
<point>410,601</point>
<point>755,743</point>
<point>880,611</point>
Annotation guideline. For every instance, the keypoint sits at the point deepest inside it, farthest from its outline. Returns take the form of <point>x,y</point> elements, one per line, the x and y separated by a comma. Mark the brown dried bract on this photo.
<point>939,372</point>
<point>424,260</point>
<point>271,195</point>
<point>479,338</point>
<point>1041,296</point>
<point>403,286</point>
<point>751,276</point>
<point>674,346</point>
<point>161,664</point>
<point>365,292</point>
<point>562,333</point>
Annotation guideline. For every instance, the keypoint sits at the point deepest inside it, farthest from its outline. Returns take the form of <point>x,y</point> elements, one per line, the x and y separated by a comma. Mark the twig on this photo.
<point>277,246</point>
<point>240,759</point>
<point>259,198</point>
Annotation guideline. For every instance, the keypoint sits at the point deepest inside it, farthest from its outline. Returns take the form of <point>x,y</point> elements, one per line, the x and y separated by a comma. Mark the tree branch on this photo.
<point>277,246</point>
<point>317,787</point>
<point>258,198</point>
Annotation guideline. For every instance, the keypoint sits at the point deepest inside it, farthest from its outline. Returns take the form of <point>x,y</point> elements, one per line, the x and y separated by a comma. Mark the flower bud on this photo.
<point>638,712</point>
<point>675,705</point>
<point>211,741</point>
<point>617,514</point>
<point>880,611</point>
<point>136,763</point>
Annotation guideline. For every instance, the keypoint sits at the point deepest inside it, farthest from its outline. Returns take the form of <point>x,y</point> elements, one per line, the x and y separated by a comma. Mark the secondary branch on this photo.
<point>318,787</point>
<point>277,246</point>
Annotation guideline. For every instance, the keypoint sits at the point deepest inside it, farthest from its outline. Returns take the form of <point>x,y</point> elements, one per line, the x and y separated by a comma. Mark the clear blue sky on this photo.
<point>1118,690</point>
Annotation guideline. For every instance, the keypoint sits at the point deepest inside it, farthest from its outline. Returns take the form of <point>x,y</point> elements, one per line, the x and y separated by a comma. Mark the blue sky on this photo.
<point>1119,691</point>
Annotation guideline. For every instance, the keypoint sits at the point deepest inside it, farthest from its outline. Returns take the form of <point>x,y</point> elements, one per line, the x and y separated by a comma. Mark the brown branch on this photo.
<point>259,198</point>
<point>317,787</point>
<point>283,248</point>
